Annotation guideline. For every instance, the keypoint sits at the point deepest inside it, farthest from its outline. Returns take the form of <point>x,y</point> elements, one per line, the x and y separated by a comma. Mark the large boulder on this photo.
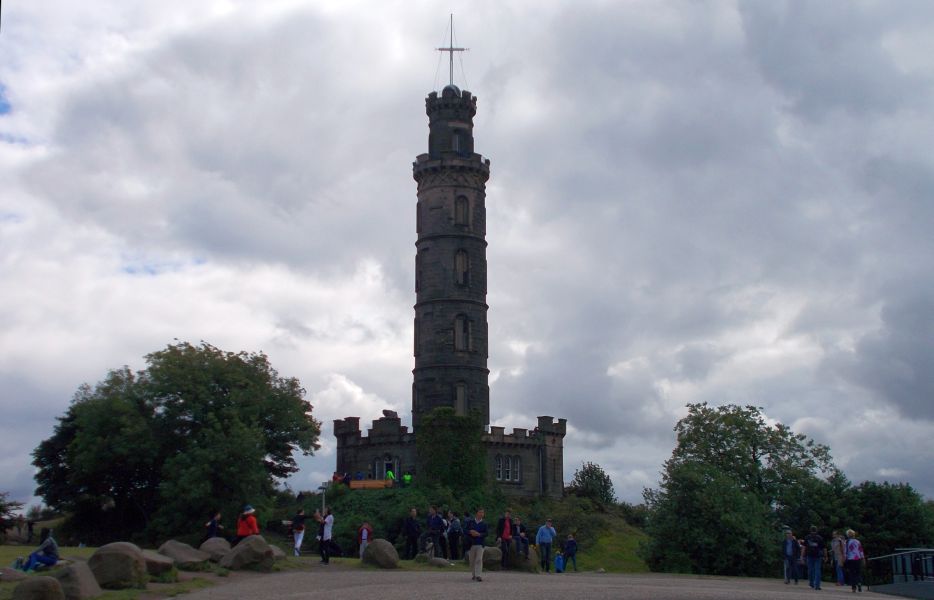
<point>184,555</point>
<point>381,553</point>
<point>216,547</point>
<point>492,557</point>
<point>7,575</point>
<point>157,564</point>
<point>119,565</point>
<point>437,561</point>
<point>277,552</point>
<point>251,553</point>
<point>39,588</point>
<point>516,561</point>
<point>78,582</point>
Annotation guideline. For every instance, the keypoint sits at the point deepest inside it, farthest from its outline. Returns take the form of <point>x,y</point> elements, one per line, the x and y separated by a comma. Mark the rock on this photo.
<point>217,547</point>
<point>277,552</point>
<point>601,570</point>
<point>492,557</point>
<point>157,564</point>
<point>78,582</point>
<point>119,565</point>
<point>518,562</point>
<point>184,555</point>
<point>39,588</point>
<point>7,575</point>
<point>383,554</point>
<point>251,553</point>
<point>439,562</point>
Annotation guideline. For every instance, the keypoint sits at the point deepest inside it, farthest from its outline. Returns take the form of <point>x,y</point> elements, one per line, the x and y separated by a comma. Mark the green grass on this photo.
<point>616,553</point>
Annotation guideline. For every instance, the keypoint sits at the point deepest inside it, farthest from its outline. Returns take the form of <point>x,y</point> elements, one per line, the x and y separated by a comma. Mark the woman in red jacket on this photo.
<point>246,524</point>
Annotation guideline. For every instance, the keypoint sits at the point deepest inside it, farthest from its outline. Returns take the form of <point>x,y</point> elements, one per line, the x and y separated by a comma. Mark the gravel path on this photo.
<point>415,585</point>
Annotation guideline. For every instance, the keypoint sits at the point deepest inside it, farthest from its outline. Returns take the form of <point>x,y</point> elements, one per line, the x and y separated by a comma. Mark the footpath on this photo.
<point>325,582</point>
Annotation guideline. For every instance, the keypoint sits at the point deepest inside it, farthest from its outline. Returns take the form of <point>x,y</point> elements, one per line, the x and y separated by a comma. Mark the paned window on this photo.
<point>461,268</point>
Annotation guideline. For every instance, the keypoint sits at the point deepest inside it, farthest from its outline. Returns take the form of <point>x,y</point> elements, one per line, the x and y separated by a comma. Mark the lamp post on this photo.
<point>323,488</point>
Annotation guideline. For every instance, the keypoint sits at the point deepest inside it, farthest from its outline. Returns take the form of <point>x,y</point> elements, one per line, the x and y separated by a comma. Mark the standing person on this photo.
<point>465,525</point>
<point>298,531</point>
<point>435,527</point>
<point>854,560</point>
<point>327,529</point>
<point>791,551</point>
<point>364,535</point>
<point>504,529</point>
<point>816,552</point>
<point>477,532</point>
<point>246,524</point>
<point>570,552</point>
<point>46,554</point>
<point>412,529</point>
<point>213,526</point>
<point>838,550</point>
<point>543,539</point>
<point>454,535</point>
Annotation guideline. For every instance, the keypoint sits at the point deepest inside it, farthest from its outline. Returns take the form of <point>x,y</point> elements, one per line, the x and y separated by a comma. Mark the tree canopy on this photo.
<point>714,511</point>
<point>591,481</point>
<point>734,482</point>
<point>8,509</point>
<point>151,453</point>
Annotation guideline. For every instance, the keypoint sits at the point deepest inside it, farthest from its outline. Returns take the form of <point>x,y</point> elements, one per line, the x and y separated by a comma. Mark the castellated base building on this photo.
<point>451,333</point>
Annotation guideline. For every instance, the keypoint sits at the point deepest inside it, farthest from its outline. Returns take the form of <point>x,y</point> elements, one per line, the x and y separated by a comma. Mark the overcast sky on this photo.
<point>689,201</point>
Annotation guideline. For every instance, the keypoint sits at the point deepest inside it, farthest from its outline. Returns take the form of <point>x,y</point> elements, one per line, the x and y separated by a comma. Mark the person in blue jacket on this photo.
<point>543,539</point>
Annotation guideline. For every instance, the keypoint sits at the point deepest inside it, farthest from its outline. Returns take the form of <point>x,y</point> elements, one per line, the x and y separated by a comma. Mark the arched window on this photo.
<point>460,398</point>
<point>507,469</point>
<point>462,211</point>
<point>516,468</point>
<point>462,329</point>
<point>499,468</point>
<point>462,268</point>
<point>418,217</point>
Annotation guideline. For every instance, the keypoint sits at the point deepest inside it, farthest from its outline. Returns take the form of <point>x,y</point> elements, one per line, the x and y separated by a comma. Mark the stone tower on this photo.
<point>451,334</point>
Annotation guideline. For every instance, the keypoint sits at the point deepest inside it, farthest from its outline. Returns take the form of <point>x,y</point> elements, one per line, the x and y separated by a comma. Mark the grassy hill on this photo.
<point>604,537</point>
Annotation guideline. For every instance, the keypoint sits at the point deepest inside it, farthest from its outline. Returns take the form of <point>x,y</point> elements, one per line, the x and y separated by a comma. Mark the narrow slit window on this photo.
<point>462,268</point>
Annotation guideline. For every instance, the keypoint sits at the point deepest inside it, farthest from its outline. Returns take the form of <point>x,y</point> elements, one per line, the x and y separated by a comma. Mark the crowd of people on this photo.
<point>807,555</point>
<point>448,536</point>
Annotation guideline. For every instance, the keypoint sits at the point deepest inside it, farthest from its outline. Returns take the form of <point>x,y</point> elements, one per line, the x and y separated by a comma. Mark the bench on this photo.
<point>370,484</point>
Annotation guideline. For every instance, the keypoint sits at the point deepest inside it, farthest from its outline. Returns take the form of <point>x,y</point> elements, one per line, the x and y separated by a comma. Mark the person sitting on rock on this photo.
<point>246,524</point>
<point>46,554</point>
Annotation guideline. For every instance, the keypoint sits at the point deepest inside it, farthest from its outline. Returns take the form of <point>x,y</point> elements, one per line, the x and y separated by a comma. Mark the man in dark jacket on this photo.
<point>521,535</point>
<point>791,550</point>
<point>435,529</point>
<point>505,530</point>
<point>816,552</point>
<point>412,530</point>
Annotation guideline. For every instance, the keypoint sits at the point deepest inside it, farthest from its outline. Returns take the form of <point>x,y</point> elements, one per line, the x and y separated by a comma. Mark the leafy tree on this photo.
<point>730,481</point>
<point>151,453</point>
<point>450,450</point>
<point>704,521</point>
<point>591,481</point>
<point>8,509</point>
<point>888,516</point>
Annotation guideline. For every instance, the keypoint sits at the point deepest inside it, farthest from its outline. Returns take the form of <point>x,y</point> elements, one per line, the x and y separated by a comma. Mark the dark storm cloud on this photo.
<point>827,56</point>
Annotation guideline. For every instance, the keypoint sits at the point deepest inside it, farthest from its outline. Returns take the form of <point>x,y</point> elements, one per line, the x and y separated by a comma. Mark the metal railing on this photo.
<point>904,565</point>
